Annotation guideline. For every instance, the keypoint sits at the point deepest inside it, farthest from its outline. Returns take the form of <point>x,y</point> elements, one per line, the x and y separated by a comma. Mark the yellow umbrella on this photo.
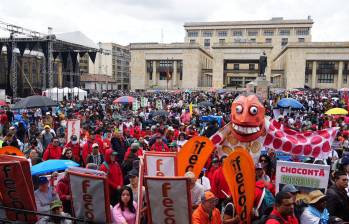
<point>337,111</point>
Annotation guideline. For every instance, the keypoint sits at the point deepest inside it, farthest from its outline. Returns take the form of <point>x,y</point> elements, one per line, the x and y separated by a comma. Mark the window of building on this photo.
<point>221,41</point>
<point>163,75</point>
<point>325,78</point>
<point>222,33</point>
<point>207,34</point>
<point>301,40</point>
<point>252,33</point>
<point>236,66</point>
<point>249,79</point>
<point>253,40</point>
<point>302,31</point>
<point>284,32</point>
<point>268,32</point>
<point>237,33</point>
<point>306,78</point>
<point>284,41</point>
<point>345,78</point>
<point>251,67</point>
<point>192,41</point>
<point>207,43</point>
<point>193,34</point>
<point>268,40</point>
<point>236,81</point>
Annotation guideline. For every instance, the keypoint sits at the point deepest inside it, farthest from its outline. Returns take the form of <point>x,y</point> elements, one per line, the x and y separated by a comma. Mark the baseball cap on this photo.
<point>43,180</point>
<point>47,126</point>
<point>95,145</point>
<point>208,195</point>
<point>55,204</point>
<point>74,138</point>
<point>290,188</point>
<point>258,166</point>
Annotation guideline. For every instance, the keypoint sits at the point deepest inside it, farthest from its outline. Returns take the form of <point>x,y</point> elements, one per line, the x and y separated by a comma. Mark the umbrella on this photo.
<point>337,111</point>
<point>10,150</point>
<point>3,103</point>
<point>155,113</point>
<point>205,104</point>
<point>52,165</point>
<point>34,101</point>
<point>290,103</point>
<point>220,91</point>
<point>344,90</point>
<point>124,99</point>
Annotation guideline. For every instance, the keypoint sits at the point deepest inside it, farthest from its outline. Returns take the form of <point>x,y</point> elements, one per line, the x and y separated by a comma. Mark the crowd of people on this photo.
<point>114,136</point>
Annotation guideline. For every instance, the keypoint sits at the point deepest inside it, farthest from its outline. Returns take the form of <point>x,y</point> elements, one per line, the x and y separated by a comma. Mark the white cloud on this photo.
<point>125,21</point>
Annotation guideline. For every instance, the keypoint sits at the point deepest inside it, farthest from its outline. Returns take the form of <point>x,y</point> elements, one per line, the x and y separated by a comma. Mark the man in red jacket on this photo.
<point>53,150</point>
<point>159,145</point>
<point>74,144</point>
<point>283,212</point>
<point>114,174</point>
<point>63,191</point>
<point>220,184</point>
<point>87,148</point>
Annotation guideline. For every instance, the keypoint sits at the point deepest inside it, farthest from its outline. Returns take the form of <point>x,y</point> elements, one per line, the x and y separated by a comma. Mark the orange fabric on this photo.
<point>239,171</point>
<point>201,217</point>
<point>194,155</point>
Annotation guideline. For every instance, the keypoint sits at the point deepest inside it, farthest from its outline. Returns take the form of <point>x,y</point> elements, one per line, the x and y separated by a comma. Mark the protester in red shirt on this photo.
<point>219,184</point>
<point>114,174</point>
<point>99,141</point>
<point>63,191</point>
<point>87,148</point>
<point>283,213</point>
<point>135,148</point>
<point>159,145</point>
<point>53,150</point>
<point>75,147</point>
<point>212,169</point>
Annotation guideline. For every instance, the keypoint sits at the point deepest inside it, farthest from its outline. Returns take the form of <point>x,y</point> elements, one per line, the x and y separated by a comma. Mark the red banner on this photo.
<point>16,188</point>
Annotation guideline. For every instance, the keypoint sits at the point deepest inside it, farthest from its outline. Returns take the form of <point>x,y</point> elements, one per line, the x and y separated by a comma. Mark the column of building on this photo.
<point>313,76</point>
<point>340,75</point>
<point>174,75</point>
<point>154,78</point>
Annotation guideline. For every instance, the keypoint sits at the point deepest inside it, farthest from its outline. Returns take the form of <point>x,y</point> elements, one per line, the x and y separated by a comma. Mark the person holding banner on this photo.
<point>76,148</point>
<point>114,174</point>
<point>207,213</point>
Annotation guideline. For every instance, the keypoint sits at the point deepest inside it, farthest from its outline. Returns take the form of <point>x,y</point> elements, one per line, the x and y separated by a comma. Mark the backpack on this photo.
<point>266,203</point>
<point>265,218</point>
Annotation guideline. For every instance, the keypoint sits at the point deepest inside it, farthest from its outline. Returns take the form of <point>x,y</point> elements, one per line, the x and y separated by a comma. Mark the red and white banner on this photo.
<point>160,164</point>
<point>315,144</point>
<point>73,128</point>
<point>90,195</point>
<point>168,200</point>
<point>16,188</point>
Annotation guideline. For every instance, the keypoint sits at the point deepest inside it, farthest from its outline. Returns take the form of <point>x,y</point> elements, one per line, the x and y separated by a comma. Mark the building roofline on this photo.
<point>156,46</point>
<point>313,45</point>
<point>242,45</point>
<point>273,21</point>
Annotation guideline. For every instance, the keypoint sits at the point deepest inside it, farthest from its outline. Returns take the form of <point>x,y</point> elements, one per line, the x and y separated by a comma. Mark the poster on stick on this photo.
<point>16,188</point>
<point>90,195</point>
<point>73,128</point>
<point>160,164</point>
<point>194,155</point>
<point>168,200</point>
<point>239,172</point>
<point>304,176</point>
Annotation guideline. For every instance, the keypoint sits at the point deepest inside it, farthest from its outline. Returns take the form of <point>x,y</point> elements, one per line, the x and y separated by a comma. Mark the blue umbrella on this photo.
<point>290,103</point>
<point>52,165</point>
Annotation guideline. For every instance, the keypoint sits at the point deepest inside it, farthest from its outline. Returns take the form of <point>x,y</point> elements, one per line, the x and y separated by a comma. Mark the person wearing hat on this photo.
<point>95,156</point>
<point>48,120</point>
<point>114,174</point>
<point>207,213</point>
<point>196,189</point>
<point>134,149</point>
<point>46,136</point>
<point>316,211</point>
<point>44,195</point>
<point>56,208</point>
<point>74,144</point>
<point>337,198</point>
<point>53,150</point>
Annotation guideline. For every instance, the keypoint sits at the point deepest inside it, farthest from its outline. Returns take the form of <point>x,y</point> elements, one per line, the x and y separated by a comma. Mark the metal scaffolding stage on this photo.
<point>51,48</point>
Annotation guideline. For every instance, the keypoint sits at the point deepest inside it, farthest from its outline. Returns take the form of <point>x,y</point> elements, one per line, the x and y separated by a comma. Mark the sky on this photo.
<point>131,21</point>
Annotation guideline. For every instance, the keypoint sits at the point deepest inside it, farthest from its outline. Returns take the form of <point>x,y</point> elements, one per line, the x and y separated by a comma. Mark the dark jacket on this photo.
<point>338,203</point>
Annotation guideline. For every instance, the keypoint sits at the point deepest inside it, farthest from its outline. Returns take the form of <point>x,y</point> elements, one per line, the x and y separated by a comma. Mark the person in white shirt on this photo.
<point>196,190</point>
<point>204,181</point>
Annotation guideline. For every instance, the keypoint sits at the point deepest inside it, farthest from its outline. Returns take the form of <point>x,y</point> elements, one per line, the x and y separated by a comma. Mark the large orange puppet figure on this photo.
<point>250,129</point>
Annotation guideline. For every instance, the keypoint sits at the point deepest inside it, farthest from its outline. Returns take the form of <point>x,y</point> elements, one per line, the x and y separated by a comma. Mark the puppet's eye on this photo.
<point>239,109</point>
<point>253,110</point>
